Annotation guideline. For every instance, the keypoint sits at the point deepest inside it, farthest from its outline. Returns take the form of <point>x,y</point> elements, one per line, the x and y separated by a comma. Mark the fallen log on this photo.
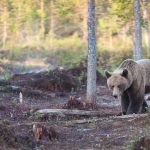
<point>63,112</point>
<point>131,116</point>
<point>83,121</point>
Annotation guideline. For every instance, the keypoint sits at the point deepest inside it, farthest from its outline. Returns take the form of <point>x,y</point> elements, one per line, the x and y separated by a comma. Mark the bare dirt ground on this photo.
<point>106,131</point>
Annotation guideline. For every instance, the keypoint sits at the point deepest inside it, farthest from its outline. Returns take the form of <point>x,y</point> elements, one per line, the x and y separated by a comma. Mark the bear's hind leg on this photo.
<point>124,103</point>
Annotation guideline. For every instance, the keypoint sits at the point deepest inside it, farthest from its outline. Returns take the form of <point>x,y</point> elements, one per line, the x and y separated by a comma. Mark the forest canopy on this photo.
<point>62,25</point>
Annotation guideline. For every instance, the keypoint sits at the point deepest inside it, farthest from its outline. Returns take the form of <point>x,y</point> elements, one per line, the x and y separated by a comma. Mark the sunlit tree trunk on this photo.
<point>52,17</point>
<point>110,40</point>
<point>18,19</point>
<point>42,23</point>
<point>91,77</point>
<point>124,37</point>
<point>4,33</point>
<point>133,43</point>
<point>5,25</point>
<point>146,30</point>
<point>84,29</point>
<point>51,30</point>
<point>138,33</point>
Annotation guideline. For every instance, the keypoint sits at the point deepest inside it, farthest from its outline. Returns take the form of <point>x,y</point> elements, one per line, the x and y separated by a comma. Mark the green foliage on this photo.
<point>144,23</point>
<point>65,8</point>
<point>108,27</point>
<point>5,75</point>
<point>64,23</point>
<point>70,58</point>
<point>36,115</point>
<point>123,9</point>
<point>111,59</point>
<point>130,145</point>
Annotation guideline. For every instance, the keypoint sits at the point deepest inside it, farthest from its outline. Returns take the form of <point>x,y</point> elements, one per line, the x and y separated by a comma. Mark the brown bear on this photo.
<point>129,82</point>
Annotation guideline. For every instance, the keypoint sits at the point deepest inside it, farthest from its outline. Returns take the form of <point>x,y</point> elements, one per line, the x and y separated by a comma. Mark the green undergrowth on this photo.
<point>68,52</point>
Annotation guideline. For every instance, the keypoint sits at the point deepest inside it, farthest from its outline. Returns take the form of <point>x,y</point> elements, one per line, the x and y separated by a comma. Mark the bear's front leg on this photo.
<point>135,107</point>
<point>124,103</point>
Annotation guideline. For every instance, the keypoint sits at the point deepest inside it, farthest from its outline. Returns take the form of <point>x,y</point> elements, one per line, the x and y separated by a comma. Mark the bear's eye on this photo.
<point>112,87</point>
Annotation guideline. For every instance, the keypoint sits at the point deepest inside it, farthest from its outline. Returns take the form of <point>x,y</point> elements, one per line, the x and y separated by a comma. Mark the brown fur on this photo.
<point>129,83</point>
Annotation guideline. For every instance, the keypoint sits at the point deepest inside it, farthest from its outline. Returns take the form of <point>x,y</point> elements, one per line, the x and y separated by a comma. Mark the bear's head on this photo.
<point>117,82</point>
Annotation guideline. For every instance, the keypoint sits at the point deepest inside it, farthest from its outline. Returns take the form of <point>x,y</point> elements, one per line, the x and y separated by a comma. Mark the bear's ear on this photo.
<point>124,73</point>
<point>108,74</point>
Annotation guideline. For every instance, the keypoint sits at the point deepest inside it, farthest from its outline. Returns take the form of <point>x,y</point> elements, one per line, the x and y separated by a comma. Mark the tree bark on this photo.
<point>5,25</point>
<point>110,40</point>
<point>52,25</point>
<point>91,76</point>
<point>138,33</point>
<point>146,29</point>
<point>84,29</point>
<point>42,23</point>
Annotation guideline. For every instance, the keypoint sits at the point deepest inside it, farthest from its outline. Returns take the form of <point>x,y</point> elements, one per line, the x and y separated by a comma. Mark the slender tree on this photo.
<point>91,77</point>
<point>42,22</point>
<point>52,22</point>
<point>4,17</point>
<point>84,15</point>
<point>146,29</point>
<point>138,32</point>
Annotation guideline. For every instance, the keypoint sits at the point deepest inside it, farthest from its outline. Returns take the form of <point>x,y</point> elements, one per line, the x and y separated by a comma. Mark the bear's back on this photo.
<point>131,65</point>
<point>145,63</point>
<point>136,72</point>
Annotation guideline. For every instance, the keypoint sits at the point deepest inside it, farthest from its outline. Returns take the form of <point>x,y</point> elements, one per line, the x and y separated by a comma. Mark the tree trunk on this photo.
<point>138,33</point>
<point>4,33</point>
<point>42,23</point>
<point>133,43</point>
<point>91,77</point>
<point>5,24</point>
<point>51,30</point>
<point>84,29</point>
<point>110,40</point>
<point>146,30</point>
<point>124,36</point>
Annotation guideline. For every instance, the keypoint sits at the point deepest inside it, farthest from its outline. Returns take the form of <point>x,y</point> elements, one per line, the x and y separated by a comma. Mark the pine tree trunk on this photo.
<point>4,32</point>
<point>5,24</point>
<point>91,78</point>
<point>51,30</point>
<point>146,30</point>
<point>124,37</point>
<point>133,43</point>
<point>110,40</point>
<point>42,23</point>
<point>138,33</point>
<point>84,29</point>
